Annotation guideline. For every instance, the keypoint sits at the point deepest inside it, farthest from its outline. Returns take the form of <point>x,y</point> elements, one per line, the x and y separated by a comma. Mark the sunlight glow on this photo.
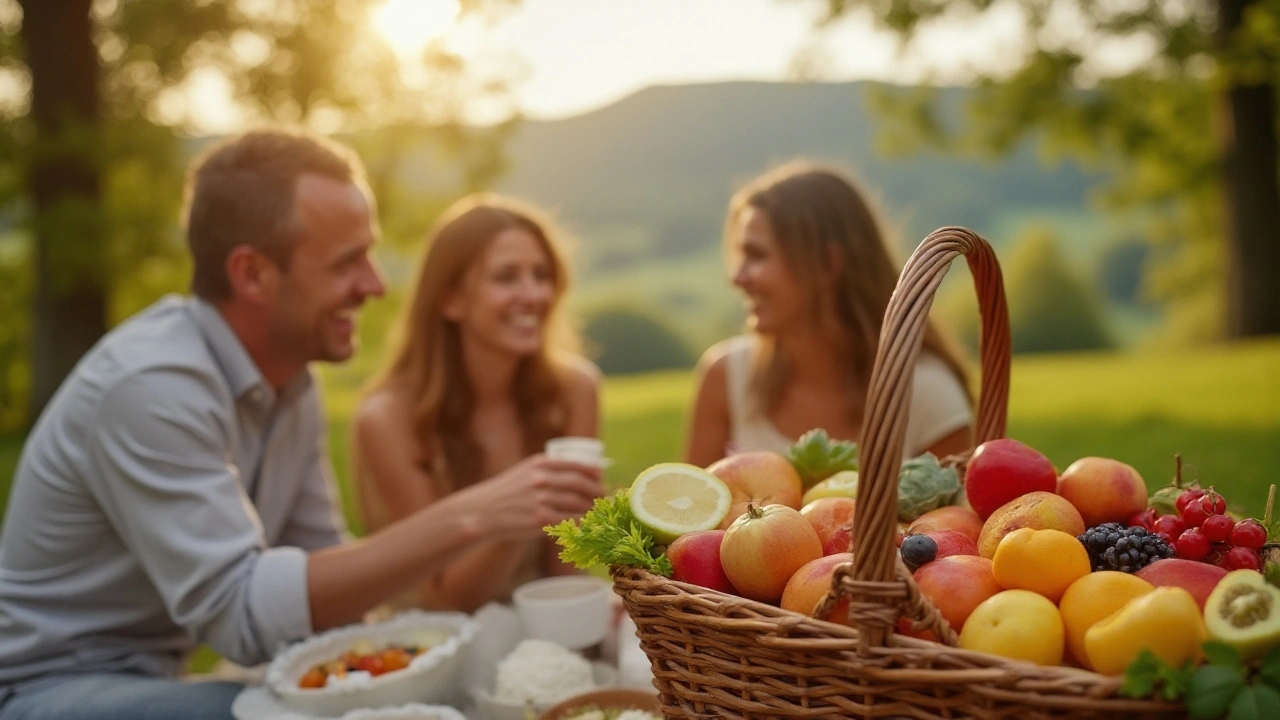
<point>408,25</point>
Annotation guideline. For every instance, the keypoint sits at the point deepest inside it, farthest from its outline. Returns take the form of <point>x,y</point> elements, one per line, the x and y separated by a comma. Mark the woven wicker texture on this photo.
<point>721,656</point>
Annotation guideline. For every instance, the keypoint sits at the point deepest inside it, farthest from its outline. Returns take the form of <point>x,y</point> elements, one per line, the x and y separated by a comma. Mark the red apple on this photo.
<point>764,547</point>
<point>811,583</point>
<point>1197,578</point>
<point>841,540</point>
<point>956,585</point>
<point>951,543</point>
<point>827,515</point>
<point>949,517</point>
<point>695,558</point>
<point>1005,469</point>
<point>1103,490</point>
<point>758,478</point>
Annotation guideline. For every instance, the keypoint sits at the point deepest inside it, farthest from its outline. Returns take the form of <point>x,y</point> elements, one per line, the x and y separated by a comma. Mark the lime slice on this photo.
<point>671,499</point>
<point>842,484</point>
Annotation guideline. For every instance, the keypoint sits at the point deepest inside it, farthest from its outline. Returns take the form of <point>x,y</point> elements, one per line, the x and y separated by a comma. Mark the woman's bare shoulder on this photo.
<point>578,372</point>
<point>381,411</point>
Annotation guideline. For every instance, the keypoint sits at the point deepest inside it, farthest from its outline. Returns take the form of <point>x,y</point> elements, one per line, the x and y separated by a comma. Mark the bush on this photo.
<point>1050,309</point>
<point>631,340</point>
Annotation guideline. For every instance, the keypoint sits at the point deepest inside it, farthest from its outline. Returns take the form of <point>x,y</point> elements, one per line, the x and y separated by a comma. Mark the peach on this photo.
<point>1197,578</point>
<point>829,514</point>
<point>949,517</point>
<point>757,478</point>
<point>1035,510</point>
<point>956,585</point>
<point>811,583</point>
<point>1103,490</point>
<point>695,558</point>
<point>1005,469</point>
<point>1017,624</point>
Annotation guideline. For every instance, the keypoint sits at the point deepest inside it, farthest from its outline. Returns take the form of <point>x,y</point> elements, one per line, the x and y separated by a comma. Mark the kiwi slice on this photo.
<point>1244,611</point>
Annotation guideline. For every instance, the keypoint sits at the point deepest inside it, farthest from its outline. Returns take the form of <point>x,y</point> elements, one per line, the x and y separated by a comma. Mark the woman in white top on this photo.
<point>807,252</point>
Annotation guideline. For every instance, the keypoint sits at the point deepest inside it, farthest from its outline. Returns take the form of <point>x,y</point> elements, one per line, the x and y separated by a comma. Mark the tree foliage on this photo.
<point>631,340</point>
<point>293,61</point>
<point>1050,308</point>
<point>1190,133</point>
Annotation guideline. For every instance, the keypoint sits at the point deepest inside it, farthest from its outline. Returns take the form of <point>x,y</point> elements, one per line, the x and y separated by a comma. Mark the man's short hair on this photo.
<point>241,192</point>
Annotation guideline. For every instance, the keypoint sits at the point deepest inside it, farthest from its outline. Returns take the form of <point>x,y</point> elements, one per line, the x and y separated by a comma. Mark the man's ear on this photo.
<point>251,274</point>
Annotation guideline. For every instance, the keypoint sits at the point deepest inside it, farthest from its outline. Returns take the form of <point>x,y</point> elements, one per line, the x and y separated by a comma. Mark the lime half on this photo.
<point>671,499</point>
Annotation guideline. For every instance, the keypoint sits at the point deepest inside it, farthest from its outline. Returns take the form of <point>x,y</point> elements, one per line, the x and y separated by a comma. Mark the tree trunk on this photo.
<point>63,178</point>
<point>1252,186</point>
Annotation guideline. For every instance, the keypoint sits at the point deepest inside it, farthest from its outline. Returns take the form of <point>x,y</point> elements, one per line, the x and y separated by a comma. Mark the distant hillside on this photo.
<point>644,183</point>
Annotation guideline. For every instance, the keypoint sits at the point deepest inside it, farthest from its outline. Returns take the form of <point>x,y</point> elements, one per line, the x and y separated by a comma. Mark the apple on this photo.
<point>758,478</point>
<point>841,540</point>
<point>952,543</point>
<point>956,585</point>
<point>764,547</point>
<point>695,558</point>
<point>949,517</point>
<point>1035,510</point>
<point>1197,578</point>
<point>1004,469</point>
<point>811,583</point>
<point>828,515</point>
<point>1103,490</point>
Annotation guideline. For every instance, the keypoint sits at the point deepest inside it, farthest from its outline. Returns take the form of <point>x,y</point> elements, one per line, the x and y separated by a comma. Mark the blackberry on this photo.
<point>1113,546</point>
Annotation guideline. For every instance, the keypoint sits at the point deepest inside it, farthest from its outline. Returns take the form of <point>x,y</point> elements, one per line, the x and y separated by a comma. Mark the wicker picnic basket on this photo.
<point>719,656</point>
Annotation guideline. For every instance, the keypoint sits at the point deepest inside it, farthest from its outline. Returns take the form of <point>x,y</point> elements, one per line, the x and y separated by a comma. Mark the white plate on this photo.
<point>430,679</point>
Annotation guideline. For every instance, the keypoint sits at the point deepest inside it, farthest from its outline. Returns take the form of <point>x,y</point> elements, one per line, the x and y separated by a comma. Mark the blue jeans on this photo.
<point>118,696</point>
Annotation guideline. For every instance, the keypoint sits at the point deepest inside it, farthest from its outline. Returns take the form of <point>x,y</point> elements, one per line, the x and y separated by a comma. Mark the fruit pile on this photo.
<point>1201,529</point>
<point>1080,567</point>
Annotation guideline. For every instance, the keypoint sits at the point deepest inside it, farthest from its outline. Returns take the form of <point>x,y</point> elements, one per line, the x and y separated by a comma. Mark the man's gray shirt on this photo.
<point>165,497</point>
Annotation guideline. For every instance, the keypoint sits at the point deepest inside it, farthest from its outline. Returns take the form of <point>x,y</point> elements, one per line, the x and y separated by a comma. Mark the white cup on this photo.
<point>582,450</point>
<point>571,610</point>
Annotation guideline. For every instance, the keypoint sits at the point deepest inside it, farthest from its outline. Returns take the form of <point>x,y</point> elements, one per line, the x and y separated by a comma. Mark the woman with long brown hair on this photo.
<point>486,370</point>
<point>807,252</point>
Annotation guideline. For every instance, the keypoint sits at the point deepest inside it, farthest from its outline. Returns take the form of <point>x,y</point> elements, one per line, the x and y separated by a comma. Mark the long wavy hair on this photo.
<point>823,224</point>
<point>427,365</point>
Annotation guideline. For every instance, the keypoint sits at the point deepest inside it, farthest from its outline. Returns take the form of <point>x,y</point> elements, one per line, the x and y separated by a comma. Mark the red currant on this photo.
<point>1242,558</point>
<point>1249,534</point>
<point>1212,502</point>
<point>1144,519</point>
<point>1192,545</point>
<point>1169,527</point>
<point>1186,497</point>
<point>1194,514</point>
<point>1218,527</point>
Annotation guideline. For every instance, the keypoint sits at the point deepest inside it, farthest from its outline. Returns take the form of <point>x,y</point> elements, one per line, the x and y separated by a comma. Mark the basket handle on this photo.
<point>889,397</point>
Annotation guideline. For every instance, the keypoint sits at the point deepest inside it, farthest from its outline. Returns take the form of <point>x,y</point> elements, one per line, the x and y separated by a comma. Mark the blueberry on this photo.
<point>918,550</point>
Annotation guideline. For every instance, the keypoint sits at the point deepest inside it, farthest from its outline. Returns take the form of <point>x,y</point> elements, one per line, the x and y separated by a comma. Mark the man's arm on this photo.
<point>167,482</point>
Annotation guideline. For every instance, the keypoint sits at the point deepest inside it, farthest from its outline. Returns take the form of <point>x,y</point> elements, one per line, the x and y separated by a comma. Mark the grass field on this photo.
<point>1219,408</point>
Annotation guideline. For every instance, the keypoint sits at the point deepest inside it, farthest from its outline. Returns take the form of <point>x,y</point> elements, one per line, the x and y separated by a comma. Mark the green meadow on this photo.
<point>1219,407</point>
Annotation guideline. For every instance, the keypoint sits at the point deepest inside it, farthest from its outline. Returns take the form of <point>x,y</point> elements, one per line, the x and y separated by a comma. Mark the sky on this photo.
<point>583,54</point>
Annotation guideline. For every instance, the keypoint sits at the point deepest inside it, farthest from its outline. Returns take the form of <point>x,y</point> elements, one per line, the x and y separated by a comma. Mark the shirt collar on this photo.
<point>237,367</point>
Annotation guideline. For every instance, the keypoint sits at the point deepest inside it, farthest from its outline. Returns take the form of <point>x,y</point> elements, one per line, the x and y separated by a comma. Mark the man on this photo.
<point>176,489</point>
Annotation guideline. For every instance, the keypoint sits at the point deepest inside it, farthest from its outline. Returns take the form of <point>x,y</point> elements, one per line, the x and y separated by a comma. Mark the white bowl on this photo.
<point>602,676</point>
<point>429,679</point>
<point>257,702</point>
<point>571,610</point>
